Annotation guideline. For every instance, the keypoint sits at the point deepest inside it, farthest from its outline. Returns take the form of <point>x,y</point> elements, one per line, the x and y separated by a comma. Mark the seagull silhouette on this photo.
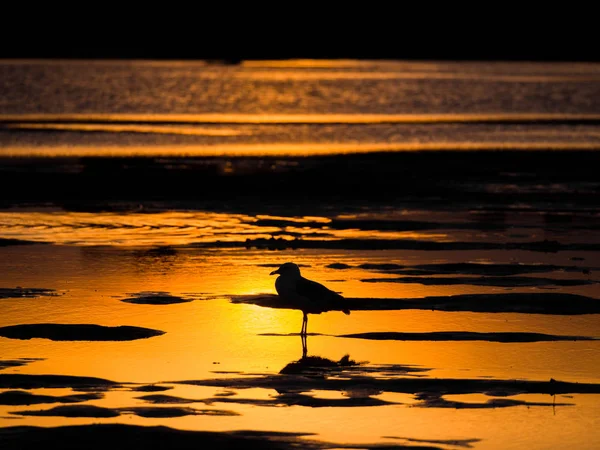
<point>306,295</point>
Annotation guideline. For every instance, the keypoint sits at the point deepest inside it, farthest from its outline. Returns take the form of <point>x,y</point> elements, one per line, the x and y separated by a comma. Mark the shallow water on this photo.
<point>210,337</point>
<point>472,274</point>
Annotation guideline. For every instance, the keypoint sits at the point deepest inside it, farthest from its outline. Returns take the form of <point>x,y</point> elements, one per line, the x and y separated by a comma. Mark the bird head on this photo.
<point>288,268</point>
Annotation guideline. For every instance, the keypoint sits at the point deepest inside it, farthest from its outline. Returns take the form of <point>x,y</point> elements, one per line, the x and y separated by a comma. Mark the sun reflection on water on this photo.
<point>179,228</point>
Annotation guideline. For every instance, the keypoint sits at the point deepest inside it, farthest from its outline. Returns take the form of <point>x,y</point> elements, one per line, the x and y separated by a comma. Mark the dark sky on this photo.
<point>485,34</point>
<point>451,49</point>
<point>529,51</point>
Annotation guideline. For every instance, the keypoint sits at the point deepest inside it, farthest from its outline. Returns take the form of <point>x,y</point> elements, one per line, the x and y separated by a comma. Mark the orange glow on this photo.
<point>288,149</point>
<point>126,128</point>
<point>213,118</point>
<point>212,334</point>
<point>176,228</point>
<point>429,247</point>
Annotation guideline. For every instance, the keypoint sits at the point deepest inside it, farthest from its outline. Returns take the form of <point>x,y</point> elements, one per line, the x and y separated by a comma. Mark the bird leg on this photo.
<point>304,323</point>
<point>304,345</point>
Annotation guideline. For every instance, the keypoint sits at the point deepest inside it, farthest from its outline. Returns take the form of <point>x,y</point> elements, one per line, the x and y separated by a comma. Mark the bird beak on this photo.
<point>275,272</point>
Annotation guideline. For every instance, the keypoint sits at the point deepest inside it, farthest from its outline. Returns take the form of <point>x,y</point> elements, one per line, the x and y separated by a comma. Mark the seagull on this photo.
<point>306,295</point>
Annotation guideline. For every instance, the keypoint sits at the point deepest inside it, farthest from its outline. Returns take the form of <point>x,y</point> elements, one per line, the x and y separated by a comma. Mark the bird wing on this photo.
<point>321,297</point>
<point>313,290</point>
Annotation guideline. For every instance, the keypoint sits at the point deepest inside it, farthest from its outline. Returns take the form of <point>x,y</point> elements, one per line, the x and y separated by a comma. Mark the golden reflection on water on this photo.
<point>178,228</point>
<point>210,335</point>
<point>128,128</point>
<point>288,149</point>
<point>92,283</point>
<point>274,118</point>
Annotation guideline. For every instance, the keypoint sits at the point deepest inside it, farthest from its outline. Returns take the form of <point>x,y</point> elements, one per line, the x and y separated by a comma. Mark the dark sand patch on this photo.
<point>166,412</point>
<point>406,225</point>
<point>77,332</point>
<point>318,364</point>
<point>141,411</point>
<point>118,436</point>
<point>72,411</point>
<point>482,281</point>
<point>464,443</point>
<point>22,381</point>
<point>20,292</point>
<point>297,399</point>
<point>545,246</point>
<point>284,399</point>
<point>435,400</point>
<point>321,367</point>
<point>93,389</point>
<point>160,399</point>
<point>529,303</point>
<point>347,381</point>
<point>533,303</point>
<point>274,301</point>
<point>6,242</point>
<point>225,394</point>
<point>466,336</point>
<point>155,298</point>
<point>276,266</point>
<point>468,269</point>
<point>6,363</point>
<point>151,388</point>
<point>27,398</point>
<point>383,225</point>
<point>411,225</point>
<point>338,266</point>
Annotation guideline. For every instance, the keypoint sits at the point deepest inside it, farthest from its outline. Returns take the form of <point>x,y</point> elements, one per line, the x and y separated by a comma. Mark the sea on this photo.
<point>455,205</point>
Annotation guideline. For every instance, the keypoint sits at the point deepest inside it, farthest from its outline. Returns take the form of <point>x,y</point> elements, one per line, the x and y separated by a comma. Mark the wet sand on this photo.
<point>474,308</point>
<point>527,303</point>
<point>159,437</point>
<point>20,292</point>
<point>158,298</point>
<point>77,332</point>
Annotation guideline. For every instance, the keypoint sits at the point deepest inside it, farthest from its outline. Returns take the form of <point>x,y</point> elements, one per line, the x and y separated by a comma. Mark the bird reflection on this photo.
<point>315,365</point>
<point>303,337</point>
<point>306,295</point>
